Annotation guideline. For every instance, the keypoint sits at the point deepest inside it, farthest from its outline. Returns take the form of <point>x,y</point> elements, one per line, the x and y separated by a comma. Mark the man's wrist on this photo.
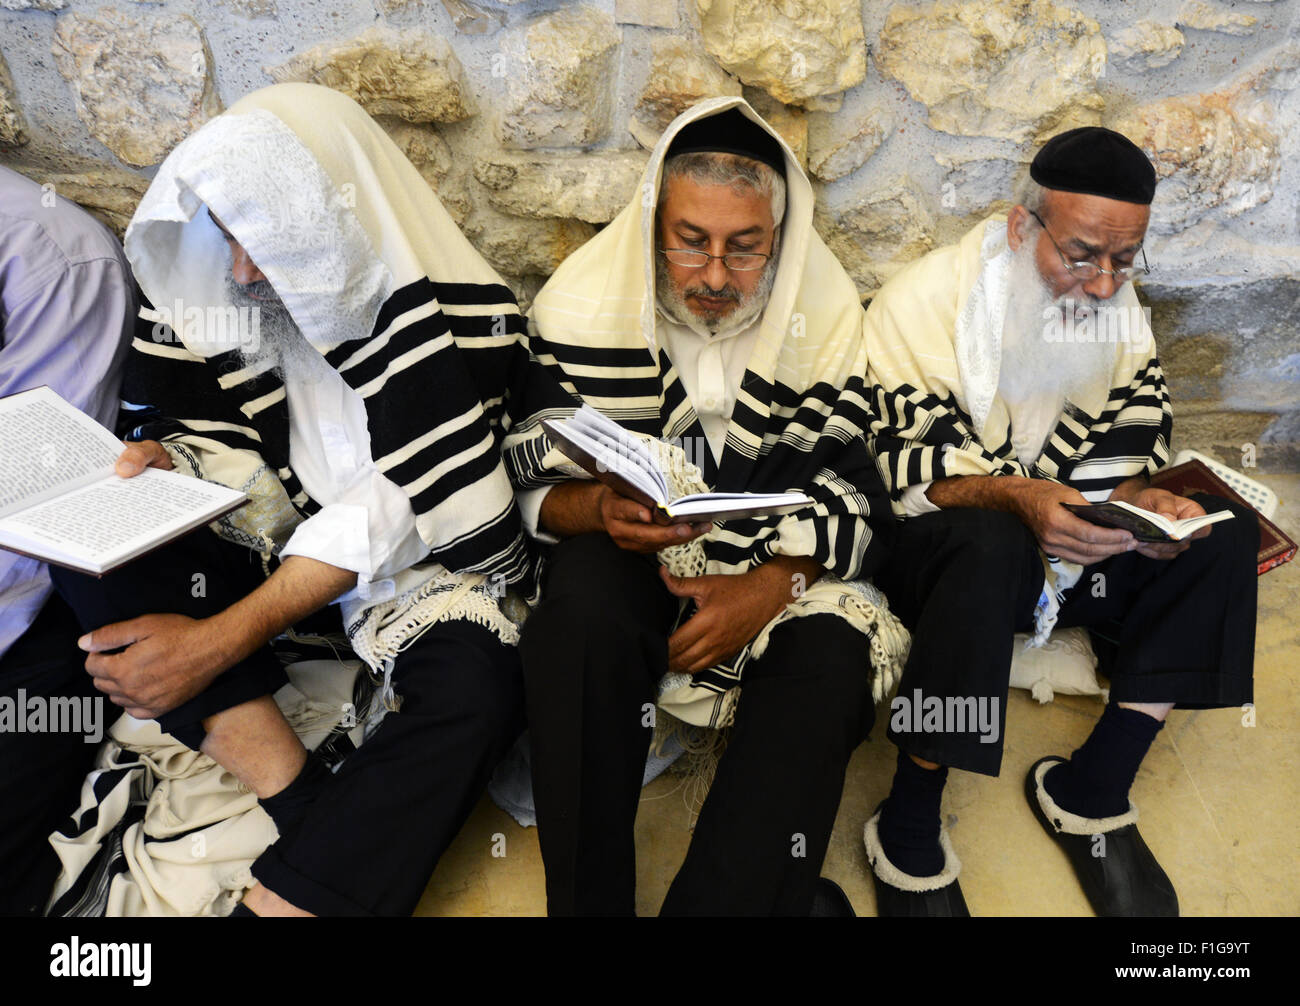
<point>232,639</point>
<point>1129,490</point>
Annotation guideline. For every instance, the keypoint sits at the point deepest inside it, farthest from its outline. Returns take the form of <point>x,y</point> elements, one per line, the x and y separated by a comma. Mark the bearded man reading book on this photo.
<point>709,318</point>
<point>1013,373</point>
<point>362,416</point>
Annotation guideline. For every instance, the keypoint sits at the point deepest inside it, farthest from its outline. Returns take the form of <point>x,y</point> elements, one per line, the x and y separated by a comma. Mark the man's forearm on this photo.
<point>791,573</point>
<point>298,588</point>
<point>990,492</point>
<point>571,509</point>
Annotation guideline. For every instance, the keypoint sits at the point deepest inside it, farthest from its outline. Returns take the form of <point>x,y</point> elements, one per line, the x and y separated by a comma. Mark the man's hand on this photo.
<point>171,658</point>
<point>1174,507</point>
<point>632,525</point>
<point>1038,503</point>
<point>584,507</point>
<point>731,609</point>
<point>140,455</point>
<point>168,660</point>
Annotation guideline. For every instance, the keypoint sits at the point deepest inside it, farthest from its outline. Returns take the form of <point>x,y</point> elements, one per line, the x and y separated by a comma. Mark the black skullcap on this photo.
<point>729,132</point>
<point>1096,162</point>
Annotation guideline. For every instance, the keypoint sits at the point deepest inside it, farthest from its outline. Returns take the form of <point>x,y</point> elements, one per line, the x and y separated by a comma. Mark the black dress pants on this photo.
<point>593,653</point>
<point>965,580</point>
<point>370,841</point>
<point>197,575</point>
<point>41,772</point>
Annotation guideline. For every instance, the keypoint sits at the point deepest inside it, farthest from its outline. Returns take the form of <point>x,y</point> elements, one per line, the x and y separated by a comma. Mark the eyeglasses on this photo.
<point>1088,271</point>
<point>735,261</point>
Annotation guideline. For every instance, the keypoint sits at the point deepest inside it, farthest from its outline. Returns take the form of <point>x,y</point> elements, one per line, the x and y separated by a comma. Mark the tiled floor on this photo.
<point>1218,803</point>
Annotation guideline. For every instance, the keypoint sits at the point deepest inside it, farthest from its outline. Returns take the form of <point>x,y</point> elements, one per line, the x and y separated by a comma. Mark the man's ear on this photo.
<point>1017,225</point>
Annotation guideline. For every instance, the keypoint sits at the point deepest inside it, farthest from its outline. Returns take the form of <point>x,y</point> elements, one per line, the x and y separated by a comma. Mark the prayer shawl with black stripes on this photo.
<point>381,282</point>
<point>934,337</point>
<point>798,423</point>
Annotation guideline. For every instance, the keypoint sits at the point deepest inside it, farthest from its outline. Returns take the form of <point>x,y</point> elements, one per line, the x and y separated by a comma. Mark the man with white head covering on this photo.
<point>322,337</point>
<point>709,317</point>
<point>1013,373</point>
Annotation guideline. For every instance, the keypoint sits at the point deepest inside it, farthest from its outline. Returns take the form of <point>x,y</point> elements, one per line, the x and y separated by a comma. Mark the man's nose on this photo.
<point>242,267</point>
<point>1104,285</point>
<point>715,274</point>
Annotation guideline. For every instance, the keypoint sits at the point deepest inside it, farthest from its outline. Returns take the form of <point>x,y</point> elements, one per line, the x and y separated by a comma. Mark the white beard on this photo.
<point>280,345</point>
<point>672,303</point>
<point>1034,365</point>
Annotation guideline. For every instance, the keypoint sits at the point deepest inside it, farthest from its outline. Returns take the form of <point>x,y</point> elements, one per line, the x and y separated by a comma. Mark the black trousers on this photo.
<point>965,580</point>
<point>41,773</point>
<point>593,652</point>
<point>371,840</point>
<point>197,575</point>
<point>369,843</point>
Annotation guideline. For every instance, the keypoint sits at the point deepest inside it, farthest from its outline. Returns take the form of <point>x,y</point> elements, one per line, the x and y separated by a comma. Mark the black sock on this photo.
<point>288,806</point>
<point>909,822</point>
<point>1096,780</point>
<point>242,911</point>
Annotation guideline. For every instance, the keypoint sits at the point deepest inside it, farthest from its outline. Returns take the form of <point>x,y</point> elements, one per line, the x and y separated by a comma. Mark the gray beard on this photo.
<point>1032,364</point>
<point>671,302</point>
<point>279,345</point>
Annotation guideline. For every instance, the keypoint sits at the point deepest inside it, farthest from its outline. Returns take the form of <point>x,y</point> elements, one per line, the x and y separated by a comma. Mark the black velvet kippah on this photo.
<point>729,132</point>
<point>1096,162</point>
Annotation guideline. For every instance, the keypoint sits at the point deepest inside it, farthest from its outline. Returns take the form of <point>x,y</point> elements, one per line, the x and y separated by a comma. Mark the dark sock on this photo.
<point>242,912</point>
<point>1096,780</point>
<point>288,806</point>
<point>909,822</point>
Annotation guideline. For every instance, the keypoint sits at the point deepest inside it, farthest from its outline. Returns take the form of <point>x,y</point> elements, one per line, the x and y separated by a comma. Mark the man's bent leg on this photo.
<point>199,575</point>
<point>964,581</point>
<point>593,652</point>
<point>762,835</point>
<point>255,742</point>
<point>1178,631</point>
<point>371,839</point>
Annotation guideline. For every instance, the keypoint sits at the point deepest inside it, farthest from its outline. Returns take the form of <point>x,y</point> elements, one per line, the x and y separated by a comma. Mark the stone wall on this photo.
<point>531,119</point>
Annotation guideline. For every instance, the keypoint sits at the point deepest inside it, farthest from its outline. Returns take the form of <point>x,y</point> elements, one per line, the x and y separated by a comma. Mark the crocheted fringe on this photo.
<point>385,630</point>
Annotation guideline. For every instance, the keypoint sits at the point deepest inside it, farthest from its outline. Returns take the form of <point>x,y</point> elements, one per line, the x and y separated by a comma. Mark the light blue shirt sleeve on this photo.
<point>68,308</point>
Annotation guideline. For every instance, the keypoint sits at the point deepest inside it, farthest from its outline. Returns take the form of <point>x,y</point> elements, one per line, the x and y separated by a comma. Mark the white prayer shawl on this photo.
<point>162,830</point>
<point>381,282</point>
<point>934,345</point>
<point>798,424</point>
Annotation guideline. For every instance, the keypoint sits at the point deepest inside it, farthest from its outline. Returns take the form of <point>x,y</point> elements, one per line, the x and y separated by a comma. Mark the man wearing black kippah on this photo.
<point>1010,374</point>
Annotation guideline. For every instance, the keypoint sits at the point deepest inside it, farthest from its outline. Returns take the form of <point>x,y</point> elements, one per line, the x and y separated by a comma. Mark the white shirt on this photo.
<point>366,522</point>
<point>711,369</point>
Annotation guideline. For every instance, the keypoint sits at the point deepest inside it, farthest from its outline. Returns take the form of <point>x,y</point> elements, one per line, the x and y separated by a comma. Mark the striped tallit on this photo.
<point>801,410</point>
<point>382,284</point>
<point>936,410</point>
<point>933,338</point>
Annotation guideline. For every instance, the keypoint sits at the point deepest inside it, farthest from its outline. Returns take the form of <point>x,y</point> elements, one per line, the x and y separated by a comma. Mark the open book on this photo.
<point>627,464</point>
<point>1143,524</point>
<point>61,502</point>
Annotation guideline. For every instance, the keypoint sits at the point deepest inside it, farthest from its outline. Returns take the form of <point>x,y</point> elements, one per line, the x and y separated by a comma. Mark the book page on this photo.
<point>114,517</point>
<point>628,450</point>
<point>46,443</point>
